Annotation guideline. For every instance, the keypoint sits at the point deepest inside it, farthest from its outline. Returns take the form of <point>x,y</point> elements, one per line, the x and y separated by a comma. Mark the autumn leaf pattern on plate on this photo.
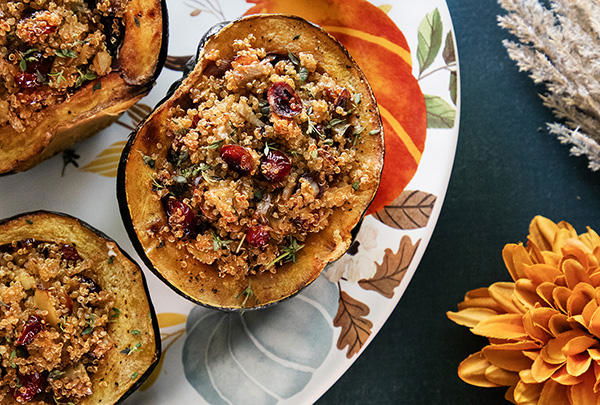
<point>356,329</point>
<point>392,270</point>
<point>411,210</point>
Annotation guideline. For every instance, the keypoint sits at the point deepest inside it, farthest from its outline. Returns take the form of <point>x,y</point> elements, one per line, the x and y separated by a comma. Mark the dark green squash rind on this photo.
<point>121,176</point>
<point>154,319</point>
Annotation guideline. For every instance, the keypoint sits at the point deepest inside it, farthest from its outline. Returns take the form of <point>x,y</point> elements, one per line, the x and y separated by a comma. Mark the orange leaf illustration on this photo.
<point>107,161</point>
<point>392,270</point>
<point>355,327</point>
<point>167,319</point>
<point>411,210</point>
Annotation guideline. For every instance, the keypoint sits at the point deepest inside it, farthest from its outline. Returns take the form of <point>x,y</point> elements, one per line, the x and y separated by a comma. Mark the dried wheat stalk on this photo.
<point>560,48</point>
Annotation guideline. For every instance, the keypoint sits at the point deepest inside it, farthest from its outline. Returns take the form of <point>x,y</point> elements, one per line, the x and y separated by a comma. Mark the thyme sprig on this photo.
<point>289,253</point>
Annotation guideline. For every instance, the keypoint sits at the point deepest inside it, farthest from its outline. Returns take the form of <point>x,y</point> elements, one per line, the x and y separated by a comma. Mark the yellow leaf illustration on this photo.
<point>107,161</point>
<point>386,8</point>
<point>167,319</point>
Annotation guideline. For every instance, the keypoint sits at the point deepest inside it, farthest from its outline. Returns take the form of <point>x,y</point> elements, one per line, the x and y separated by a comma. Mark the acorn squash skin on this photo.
<point>117,368</point>
<point>99,103</point>
<point>268,289</point>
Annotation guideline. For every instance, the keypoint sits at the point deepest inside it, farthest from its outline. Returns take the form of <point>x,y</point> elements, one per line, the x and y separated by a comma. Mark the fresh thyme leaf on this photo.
<point>23,65</point>
<point>357,135</point>
<point>247,293</point>
<point>29,222</point>
<point>289,253</point>
<point>84,77</point>
<point>180,179</point>
<point>111,260</point>
<point>115,312</point>
<point>54,374</point>
<point>128,350</point>
<point>328,142</point>
<point>314,154</point>
<point>258,194</point>
<point>66,53</point>
<point>97,86</point>
<point>356,185</point>
<point>135,375</point>
<point>135,332</point>
<point>336,121</point>
<point>264,107</point>
<point>303,74</point>
<point>219,243</point>
<point>375,132</point>
<point>293,58</point>
<point>357,98</point>
<point>214,145</point>
<point>59,76</point>
<point>87,330</point>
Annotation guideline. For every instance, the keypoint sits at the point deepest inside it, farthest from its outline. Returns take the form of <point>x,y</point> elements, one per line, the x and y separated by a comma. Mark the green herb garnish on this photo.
<point>59,76</point>
<point>128,350</point>
<point>135,332</point>
<point>97,86</point>
<point>149,161</point>
<point>111,260</point>
<point>356,185</point>
<point>375,132</point>
<point>114,313</point>
<point>293,58</point>
<point>289,253</point>
<point>303,74</point>
<point>214,145</point>
<point>29,222</point>
<point>84,77</point>
<point>66,53</point>
<point>54,374</point>
<point>219,243</point>
<point>26,57</point>
<point>247,293</point>
<point>135,375</point>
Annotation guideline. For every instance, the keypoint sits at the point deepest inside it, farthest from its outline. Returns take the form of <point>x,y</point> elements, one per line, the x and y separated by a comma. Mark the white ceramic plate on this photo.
<point>293,352</point>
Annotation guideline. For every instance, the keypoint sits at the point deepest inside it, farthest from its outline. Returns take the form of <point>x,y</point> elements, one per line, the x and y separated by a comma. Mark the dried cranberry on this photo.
<point>237,158</point>
<point>31,385</point>
<point>26,80</point>
<point>181,215</point>
<point>283,100</point>
<point>275,166</point>
<point>342,100</point>
<point>92,286</point>
<point>32,327</point>
<point>37,63</point>
<point>69,252</point>
<point>258,236</point>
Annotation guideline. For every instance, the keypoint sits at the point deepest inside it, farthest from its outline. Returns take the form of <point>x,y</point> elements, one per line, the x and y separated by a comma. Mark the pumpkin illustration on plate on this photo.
<point>382,52</point>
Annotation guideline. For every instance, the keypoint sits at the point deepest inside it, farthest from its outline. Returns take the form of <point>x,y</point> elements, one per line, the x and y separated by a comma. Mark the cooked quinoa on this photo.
<point>260,157</point>
<point>54,321</point>
<point>49,49</point>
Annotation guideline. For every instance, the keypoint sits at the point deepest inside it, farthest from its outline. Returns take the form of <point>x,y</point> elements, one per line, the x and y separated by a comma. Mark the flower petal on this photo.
<point>542,232</point>
<point>552,352</point>
<point>538,330</point>
<point>562,377</point>
<point>594,354</point>
<point>509,395</point>
<point>594,325</point>
<point>509,356</point>
<point>560,295</point>
<point>516,258</point>
<point>472,371</point>
<point>526,294</point>
<point>541,371</point>
<point>502,293</point>
<point>499,376</point>
<point>575,273</point>
<point>578,345</point>
<point>578,364</point>
<point>527,393</point>
<point>526,377</point>
<point>541,273</point>
<point>470,317</point>
<point>559,323</point>
<point>583,393</point>
<point>553,394</point>
<point>505,326</point>
<point>544,291</point>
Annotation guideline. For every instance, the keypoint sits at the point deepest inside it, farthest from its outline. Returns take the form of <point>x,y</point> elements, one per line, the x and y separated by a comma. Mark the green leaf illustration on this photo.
<point>440,114</point>
<point>449,54</point>
<point>454,87</point>
<point>430,39</point>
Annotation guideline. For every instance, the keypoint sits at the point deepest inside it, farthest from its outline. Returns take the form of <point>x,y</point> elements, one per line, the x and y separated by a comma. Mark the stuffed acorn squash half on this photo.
<point>77,323</point>
<point>251,176</point>
<point>68,68</point>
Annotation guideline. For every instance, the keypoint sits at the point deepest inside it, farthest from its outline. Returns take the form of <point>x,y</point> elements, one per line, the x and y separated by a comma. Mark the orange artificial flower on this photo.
<point>544,327</point>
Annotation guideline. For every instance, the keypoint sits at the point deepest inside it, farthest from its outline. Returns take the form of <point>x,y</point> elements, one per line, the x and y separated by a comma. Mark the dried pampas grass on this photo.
<point>559,45</point>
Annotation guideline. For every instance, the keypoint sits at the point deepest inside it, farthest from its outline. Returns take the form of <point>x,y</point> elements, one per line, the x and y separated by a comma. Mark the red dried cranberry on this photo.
<point>37,63</point>
<point>69,252</point>
<point>283,100</point>
<point>186,219</point>
<point>26,80</point>
<point>275,166</point>
<point>342,100</point>
<point>31,385</point>
<point>237,158</point>
<point>258,236</point>
<point>32,327</point>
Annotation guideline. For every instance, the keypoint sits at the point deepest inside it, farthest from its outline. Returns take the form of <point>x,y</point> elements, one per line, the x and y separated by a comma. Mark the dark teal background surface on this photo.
<point>507,170</point>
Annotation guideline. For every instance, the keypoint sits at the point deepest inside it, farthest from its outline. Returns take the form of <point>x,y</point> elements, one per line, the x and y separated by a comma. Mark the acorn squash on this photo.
<point>254,172</point>
<point>71,289</point>
<point>54,96</point>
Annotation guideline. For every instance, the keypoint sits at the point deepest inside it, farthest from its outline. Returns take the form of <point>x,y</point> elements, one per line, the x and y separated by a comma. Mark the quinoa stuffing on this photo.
<point>262,155</point>
<point>51,48</point>
<point>54,321</point>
